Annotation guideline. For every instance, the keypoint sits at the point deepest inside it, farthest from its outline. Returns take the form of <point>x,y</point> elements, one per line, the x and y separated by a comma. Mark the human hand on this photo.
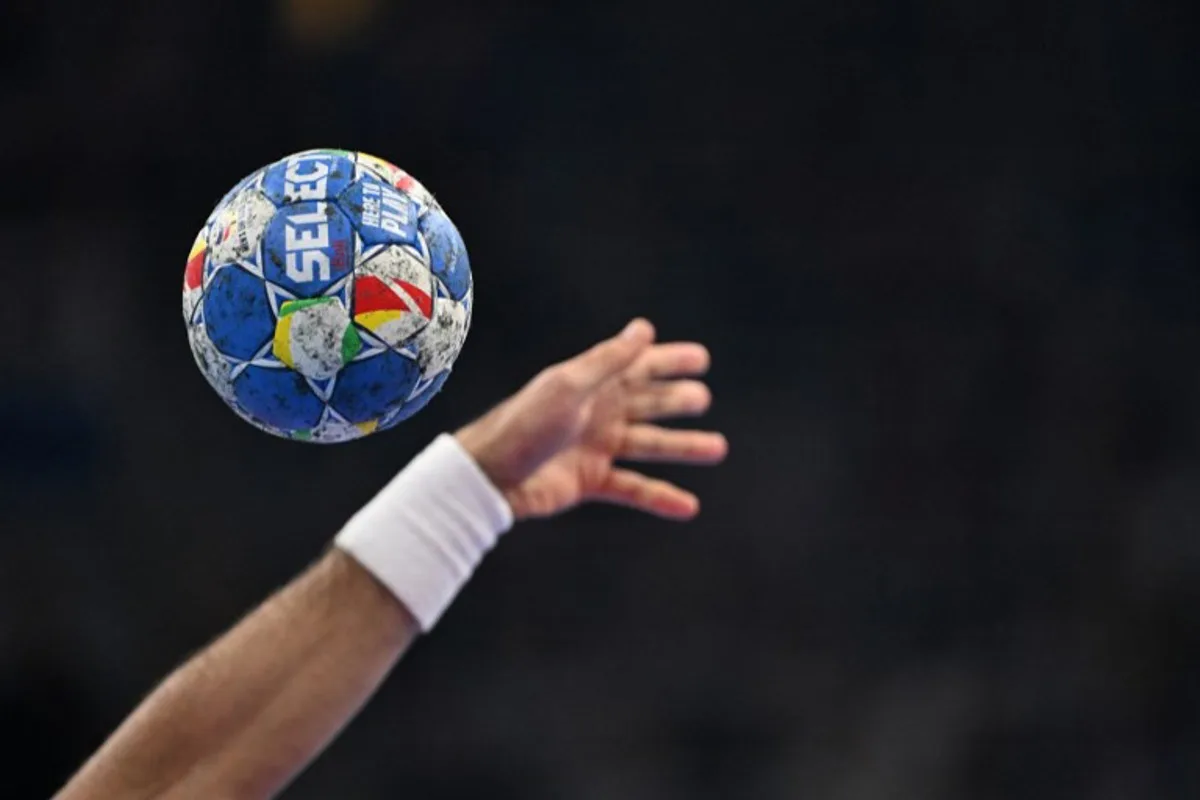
<point>555,443</point>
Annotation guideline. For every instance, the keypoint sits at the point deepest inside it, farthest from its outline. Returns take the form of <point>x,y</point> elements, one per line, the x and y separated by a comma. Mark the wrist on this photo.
<point>481,447</point>
<point>472,440</point>
<point>423,535</point>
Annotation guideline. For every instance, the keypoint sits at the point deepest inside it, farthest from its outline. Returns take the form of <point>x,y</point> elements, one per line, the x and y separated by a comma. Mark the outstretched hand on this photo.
<point>555,443</point>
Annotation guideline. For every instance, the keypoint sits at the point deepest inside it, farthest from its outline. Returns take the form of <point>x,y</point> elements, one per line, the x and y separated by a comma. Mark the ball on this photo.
<point>327,296</point>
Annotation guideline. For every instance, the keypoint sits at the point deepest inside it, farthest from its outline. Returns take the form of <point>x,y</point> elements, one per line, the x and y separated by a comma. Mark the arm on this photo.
<point>243,716</point>
<point>248,713</point>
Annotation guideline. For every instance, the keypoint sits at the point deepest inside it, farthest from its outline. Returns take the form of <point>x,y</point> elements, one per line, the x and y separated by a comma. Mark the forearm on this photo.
<point>243,716</point>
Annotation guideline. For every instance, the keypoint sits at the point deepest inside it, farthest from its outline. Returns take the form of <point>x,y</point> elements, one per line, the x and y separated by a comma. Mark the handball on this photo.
<point>327,296</point>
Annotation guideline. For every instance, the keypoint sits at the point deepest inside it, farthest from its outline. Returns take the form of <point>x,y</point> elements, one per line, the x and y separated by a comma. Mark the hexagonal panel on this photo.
<point>439,344</point>
<point>193,274</point>
<point>393,295</point>
<point>236,230</point>
<point>253,179</point>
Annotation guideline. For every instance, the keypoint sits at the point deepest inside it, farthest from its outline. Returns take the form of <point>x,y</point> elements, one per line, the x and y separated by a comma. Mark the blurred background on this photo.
<point>946,258</point>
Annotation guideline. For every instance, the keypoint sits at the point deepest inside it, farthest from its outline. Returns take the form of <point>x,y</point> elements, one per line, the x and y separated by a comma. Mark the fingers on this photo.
<point>628,488</point>
<point>670,360</point>
<point>591,368</point>
<point>654,443</point>
<point>665,399</point>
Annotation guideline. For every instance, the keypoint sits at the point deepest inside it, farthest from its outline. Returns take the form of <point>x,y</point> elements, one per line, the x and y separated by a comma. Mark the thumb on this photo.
<point>608,358</point>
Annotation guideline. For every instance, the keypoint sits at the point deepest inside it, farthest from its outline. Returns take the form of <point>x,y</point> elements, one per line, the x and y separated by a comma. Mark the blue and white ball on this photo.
<point>327,296</point>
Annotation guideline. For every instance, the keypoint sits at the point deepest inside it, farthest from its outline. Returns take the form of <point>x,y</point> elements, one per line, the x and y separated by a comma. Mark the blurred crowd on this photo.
<point>945,256</point>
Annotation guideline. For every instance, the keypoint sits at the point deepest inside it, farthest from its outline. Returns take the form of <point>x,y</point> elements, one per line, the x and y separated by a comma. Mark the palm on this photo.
<point>579,471</point>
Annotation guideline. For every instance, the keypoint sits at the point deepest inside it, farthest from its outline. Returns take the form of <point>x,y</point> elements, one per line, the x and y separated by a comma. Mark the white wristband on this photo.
<point>423,535</point>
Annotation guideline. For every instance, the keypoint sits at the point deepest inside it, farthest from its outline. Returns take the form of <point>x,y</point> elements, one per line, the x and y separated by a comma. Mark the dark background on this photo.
<point>945,255</point>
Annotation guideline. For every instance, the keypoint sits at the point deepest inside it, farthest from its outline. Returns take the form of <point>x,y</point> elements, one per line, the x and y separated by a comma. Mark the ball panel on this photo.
<point>381,214</point>
<point>328,151</point>
<point>315,337</point>
<point>308,176</point>
<point>393,295</point>
<point>193,274</point>
<point>280,398</point>
<point>397,178</point>
<point>216,368</point>
<point>416,403</point>
<point>237,313</point>
<point>331,431</point>
<point>366,390</point>
<point>447,253</point>
<point>254,179</point>
<point>309,247</point>
<point>236,231</point>
<point>439,344</point>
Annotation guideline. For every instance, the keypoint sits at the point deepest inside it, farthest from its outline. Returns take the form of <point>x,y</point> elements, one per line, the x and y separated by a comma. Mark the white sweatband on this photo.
<point>425,533</point>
